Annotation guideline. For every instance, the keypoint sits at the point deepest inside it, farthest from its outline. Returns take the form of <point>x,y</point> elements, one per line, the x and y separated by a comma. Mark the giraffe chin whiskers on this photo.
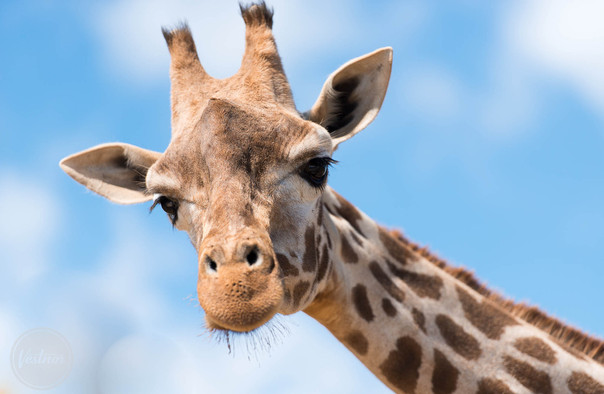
<point>253,343</point>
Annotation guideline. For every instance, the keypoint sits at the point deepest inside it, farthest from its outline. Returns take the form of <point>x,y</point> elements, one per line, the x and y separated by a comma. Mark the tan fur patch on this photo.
<point>457,338</point>
<point>401,368</point>
<point>536,348</point>
<point>528,376</point>
<point>444,375</point>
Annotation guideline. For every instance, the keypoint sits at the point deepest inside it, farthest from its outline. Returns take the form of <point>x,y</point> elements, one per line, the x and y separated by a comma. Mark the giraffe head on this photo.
<point>244,172</point>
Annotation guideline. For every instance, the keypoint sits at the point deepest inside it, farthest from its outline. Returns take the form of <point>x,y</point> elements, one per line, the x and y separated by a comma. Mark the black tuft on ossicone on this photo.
<point>257,14</point>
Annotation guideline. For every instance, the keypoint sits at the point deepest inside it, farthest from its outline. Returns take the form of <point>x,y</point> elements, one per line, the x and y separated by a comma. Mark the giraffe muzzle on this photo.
<point>239,286</point>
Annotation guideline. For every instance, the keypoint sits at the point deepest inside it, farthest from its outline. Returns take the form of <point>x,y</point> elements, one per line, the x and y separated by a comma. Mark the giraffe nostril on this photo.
<point>252,257</point>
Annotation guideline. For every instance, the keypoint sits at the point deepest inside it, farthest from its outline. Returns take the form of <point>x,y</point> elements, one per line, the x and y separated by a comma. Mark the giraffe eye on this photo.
<point>316,170</point>
<point>168,205</point>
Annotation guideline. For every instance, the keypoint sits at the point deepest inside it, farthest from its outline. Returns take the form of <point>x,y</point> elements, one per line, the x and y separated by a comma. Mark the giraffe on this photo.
<point>245,176</point>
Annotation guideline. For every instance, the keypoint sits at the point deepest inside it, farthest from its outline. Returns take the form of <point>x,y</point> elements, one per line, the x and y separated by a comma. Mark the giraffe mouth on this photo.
<point>214,325</point>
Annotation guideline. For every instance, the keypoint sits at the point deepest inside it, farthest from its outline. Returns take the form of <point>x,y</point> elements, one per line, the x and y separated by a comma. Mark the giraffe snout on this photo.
<point>239,286</point>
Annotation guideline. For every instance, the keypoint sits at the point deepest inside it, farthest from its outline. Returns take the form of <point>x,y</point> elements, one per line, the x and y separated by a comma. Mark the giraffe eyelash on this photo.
<point>169,206</point>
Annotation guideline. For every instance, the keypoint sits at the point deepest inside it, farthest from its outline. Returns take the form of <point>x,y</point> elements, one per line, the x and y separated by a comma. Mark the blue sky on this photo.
<point>489,148</point>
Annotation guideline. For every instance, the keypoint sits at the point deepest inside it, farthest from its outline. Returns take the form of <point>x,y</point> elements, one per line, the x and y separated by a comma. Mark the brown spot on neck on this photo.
<point>419,319</point>
<point>309,261</point>
<point>388,308</point>
<point>323,264</point>
<point>536,348</point>
<point>401,368</point>
<point>361,302</point>
<point>386,282</point>
<point>347,252</point>
<point>422,285</point>
<point>357,341</point>
<point>457,338</point>
<point>444,375</point>
<point>348,212</point>
<point>396,249</point>
<point>569,337</point>
<point>299,291</point>
<point>286,267</point>
<point>528,376</point>
<point>485,316</point>
<point>493,386</point>
<point>580,383</point>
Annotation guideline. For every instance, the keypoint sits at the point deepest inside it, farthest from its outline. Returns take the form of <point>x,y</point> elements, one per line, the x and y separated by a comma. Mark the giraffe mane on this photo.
<point>571,338</point>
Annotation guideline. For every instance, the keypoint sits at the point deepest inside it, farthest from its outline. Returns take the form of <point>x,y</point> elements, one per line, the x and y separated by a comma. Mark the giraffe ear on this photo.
<point>352,95</point>
<point>116,171</point>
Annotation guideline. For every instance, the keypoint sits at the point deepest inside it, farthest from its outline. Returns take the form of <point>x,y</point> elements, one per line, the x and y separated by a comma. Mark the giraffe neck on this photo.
<point>419,329</point>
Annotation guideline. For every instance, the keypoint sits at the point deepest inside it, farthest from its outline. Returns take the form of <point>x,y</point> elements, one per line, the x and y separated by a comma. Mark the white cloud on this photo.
<point>30,222</point>
<point>148,363</point>
<point>564,39</point>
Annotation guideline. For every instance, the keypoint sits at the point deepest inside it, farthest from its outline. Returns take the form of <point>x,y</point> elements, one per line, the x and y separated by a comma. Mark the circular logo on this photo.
<point>41,358</point>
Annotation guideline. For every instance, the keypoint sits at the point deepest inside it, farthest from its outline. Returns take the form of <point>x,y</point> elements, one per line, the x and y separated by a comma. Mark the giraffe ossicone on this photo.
<point>245,176</point>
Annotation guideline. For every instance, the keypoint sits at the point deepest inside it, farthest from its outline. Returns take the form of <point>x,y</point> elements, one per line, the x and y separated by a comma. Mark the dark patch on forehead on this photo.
<point>536,348</point>
<point>396,249</point>
<point>386,282</point>
<point>357,341</point>
<point>493,386</point>
<point>348,253</point>
<point>348,212</point>
<point>485,316</point>
<point>581,383</point>
<point>288,269</point>
<point>323,264</point>
<point>388,308</point>
<point>309,261</point>
<point>343,102</point>
<point>419,319</point>
<point>361,302</point>
<point>444,375</point>
<point>457,338</point>
<point>422,285</point>
<point>299,291</point>
<point>528,376</point>
<point>245,140</point>
<point>401,368</point>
